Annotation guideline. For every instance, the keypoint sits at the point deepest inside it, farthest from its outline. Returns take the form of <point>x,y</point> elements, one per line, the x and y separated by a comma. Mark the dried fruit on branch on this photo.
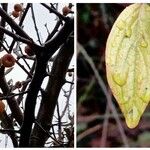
<point>66,10</point>
<point>128,61</point>
<point>18,7</point>
<point>15,14</point>
<point>28,50</point>
<point>8,60</point>
<point>18,84</point>
<point>2,107</point>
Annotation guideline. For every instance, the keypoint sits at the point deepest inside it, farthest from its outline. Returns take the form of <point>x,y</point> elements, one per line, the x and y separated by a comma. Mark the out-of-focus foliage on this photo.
<point>93,26</point>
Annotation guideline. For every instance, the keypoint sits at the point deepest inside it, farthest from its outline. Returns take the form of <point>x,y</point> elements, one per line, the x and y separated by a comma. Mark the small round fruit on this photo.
<point>15,14</point>
<point>0,61</point>
<point>18,84</point>
<point>18,7</point>
<point>2,107</point>
<point>28,50</point>
<point>66,10</point>
<point>70,74</point>
<point>8,60</point>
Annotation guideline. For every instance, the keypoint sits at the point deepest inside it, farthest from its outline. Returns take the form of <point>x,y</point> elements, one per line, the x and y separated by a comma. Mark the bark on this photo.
<point>30,103</point>
<point>49,101</point>
<point>2,23</point>
<point>43,54</point>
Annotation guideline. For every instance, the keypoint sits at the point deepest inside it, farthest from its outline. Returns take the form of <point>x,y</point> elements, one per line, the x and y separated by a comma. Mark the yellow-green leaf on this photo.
<point>128,61</point>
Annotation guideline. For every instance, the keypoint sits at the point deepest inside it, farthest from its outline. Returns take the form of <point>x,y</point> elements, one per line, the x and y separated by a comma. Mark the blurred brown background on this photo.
<point>97,125</point>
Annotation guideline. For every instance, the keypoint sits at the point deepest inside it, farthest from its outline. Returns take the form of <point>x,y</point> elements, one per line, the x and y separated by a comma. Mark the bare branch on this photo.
<point>13,24</point>
<point>35,25</point>
<point>55,83</point>
<point>15,36</point>
<point>14,107</point>
<point>2,22</point>
<point>53,44</point>
<point>107,94</point>
<point>20,24</point>
<point>54,31</point>
<point>55,12</point>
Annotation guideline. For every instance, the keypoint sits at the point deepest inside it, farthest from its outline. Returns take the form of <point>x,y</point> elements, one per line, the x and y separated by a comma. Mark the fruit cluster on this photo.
<point>17,9</point>
<point>28,50</point>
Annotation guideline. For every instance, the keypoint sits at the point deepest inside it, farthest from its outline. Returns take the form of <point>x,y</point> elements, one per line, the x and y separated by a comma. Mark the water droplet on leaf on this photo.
<point>121,24</point>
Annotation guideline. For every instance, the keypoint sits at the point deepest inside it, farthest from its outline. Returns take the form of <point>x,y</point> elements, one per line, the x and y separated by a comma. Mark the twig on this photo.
<point>55,12</point>
<point>69,82</point>
<point>28,79</point>
<point>13,95</point>
<point>54,31</point>
<point>15,36</point>
<point>68,98</point>
<point>20,65</point>
<point>105,91</point>
<point>48,133</point>
<point>8,124</point>
<point>53,44</point>
<point>59,122</point>
<point>23,68</point>
<point>87,91</point>
<point>13,24</point>
<point>88,132</point>
<point>3,46</point>
<point>105,129</point>
<point>35,25</point>
<point>3,22</point>
<point>24,59</point>
<point>9,130</point>
<point>13,105</point>
<point>20,24</point>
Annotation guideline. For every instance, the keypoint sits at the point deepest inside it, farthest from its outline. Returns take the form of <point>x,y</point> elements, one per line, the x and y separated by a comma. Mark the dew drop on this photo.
<point>113,44</point>
<point>128,32</point>
<point>143,43</point>
<point>132,117</point>
<point>145,94</point>
<point>120,78</point>
<point>121,24</point>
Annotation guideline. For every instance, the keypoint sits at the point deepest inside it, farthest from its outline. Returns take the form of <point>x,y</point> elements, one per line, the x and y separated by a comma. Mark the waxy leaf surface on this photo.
<point>128,61</point>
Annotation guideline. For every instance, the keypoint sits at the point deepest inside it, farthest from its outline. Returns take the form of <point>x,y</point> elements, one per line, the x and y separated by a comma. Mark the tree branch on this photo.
<point>19,99</point>
<point>55,12</point>
<point>35,25</point>
<point>2,22</point>
<point>30,103</point>
<point>53,44</point>
<point>53,88</point>
<point>8,124</point>
<point>15,36</point>
<point>20,24</point>
<point>54,31</point>
<point>14,107</point>
<point>13,24</point>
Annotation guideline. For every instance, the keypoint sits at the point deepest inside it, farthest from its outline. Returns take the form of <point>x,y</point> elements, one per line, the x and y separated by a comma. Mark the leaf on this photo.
<point>128,61</point>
